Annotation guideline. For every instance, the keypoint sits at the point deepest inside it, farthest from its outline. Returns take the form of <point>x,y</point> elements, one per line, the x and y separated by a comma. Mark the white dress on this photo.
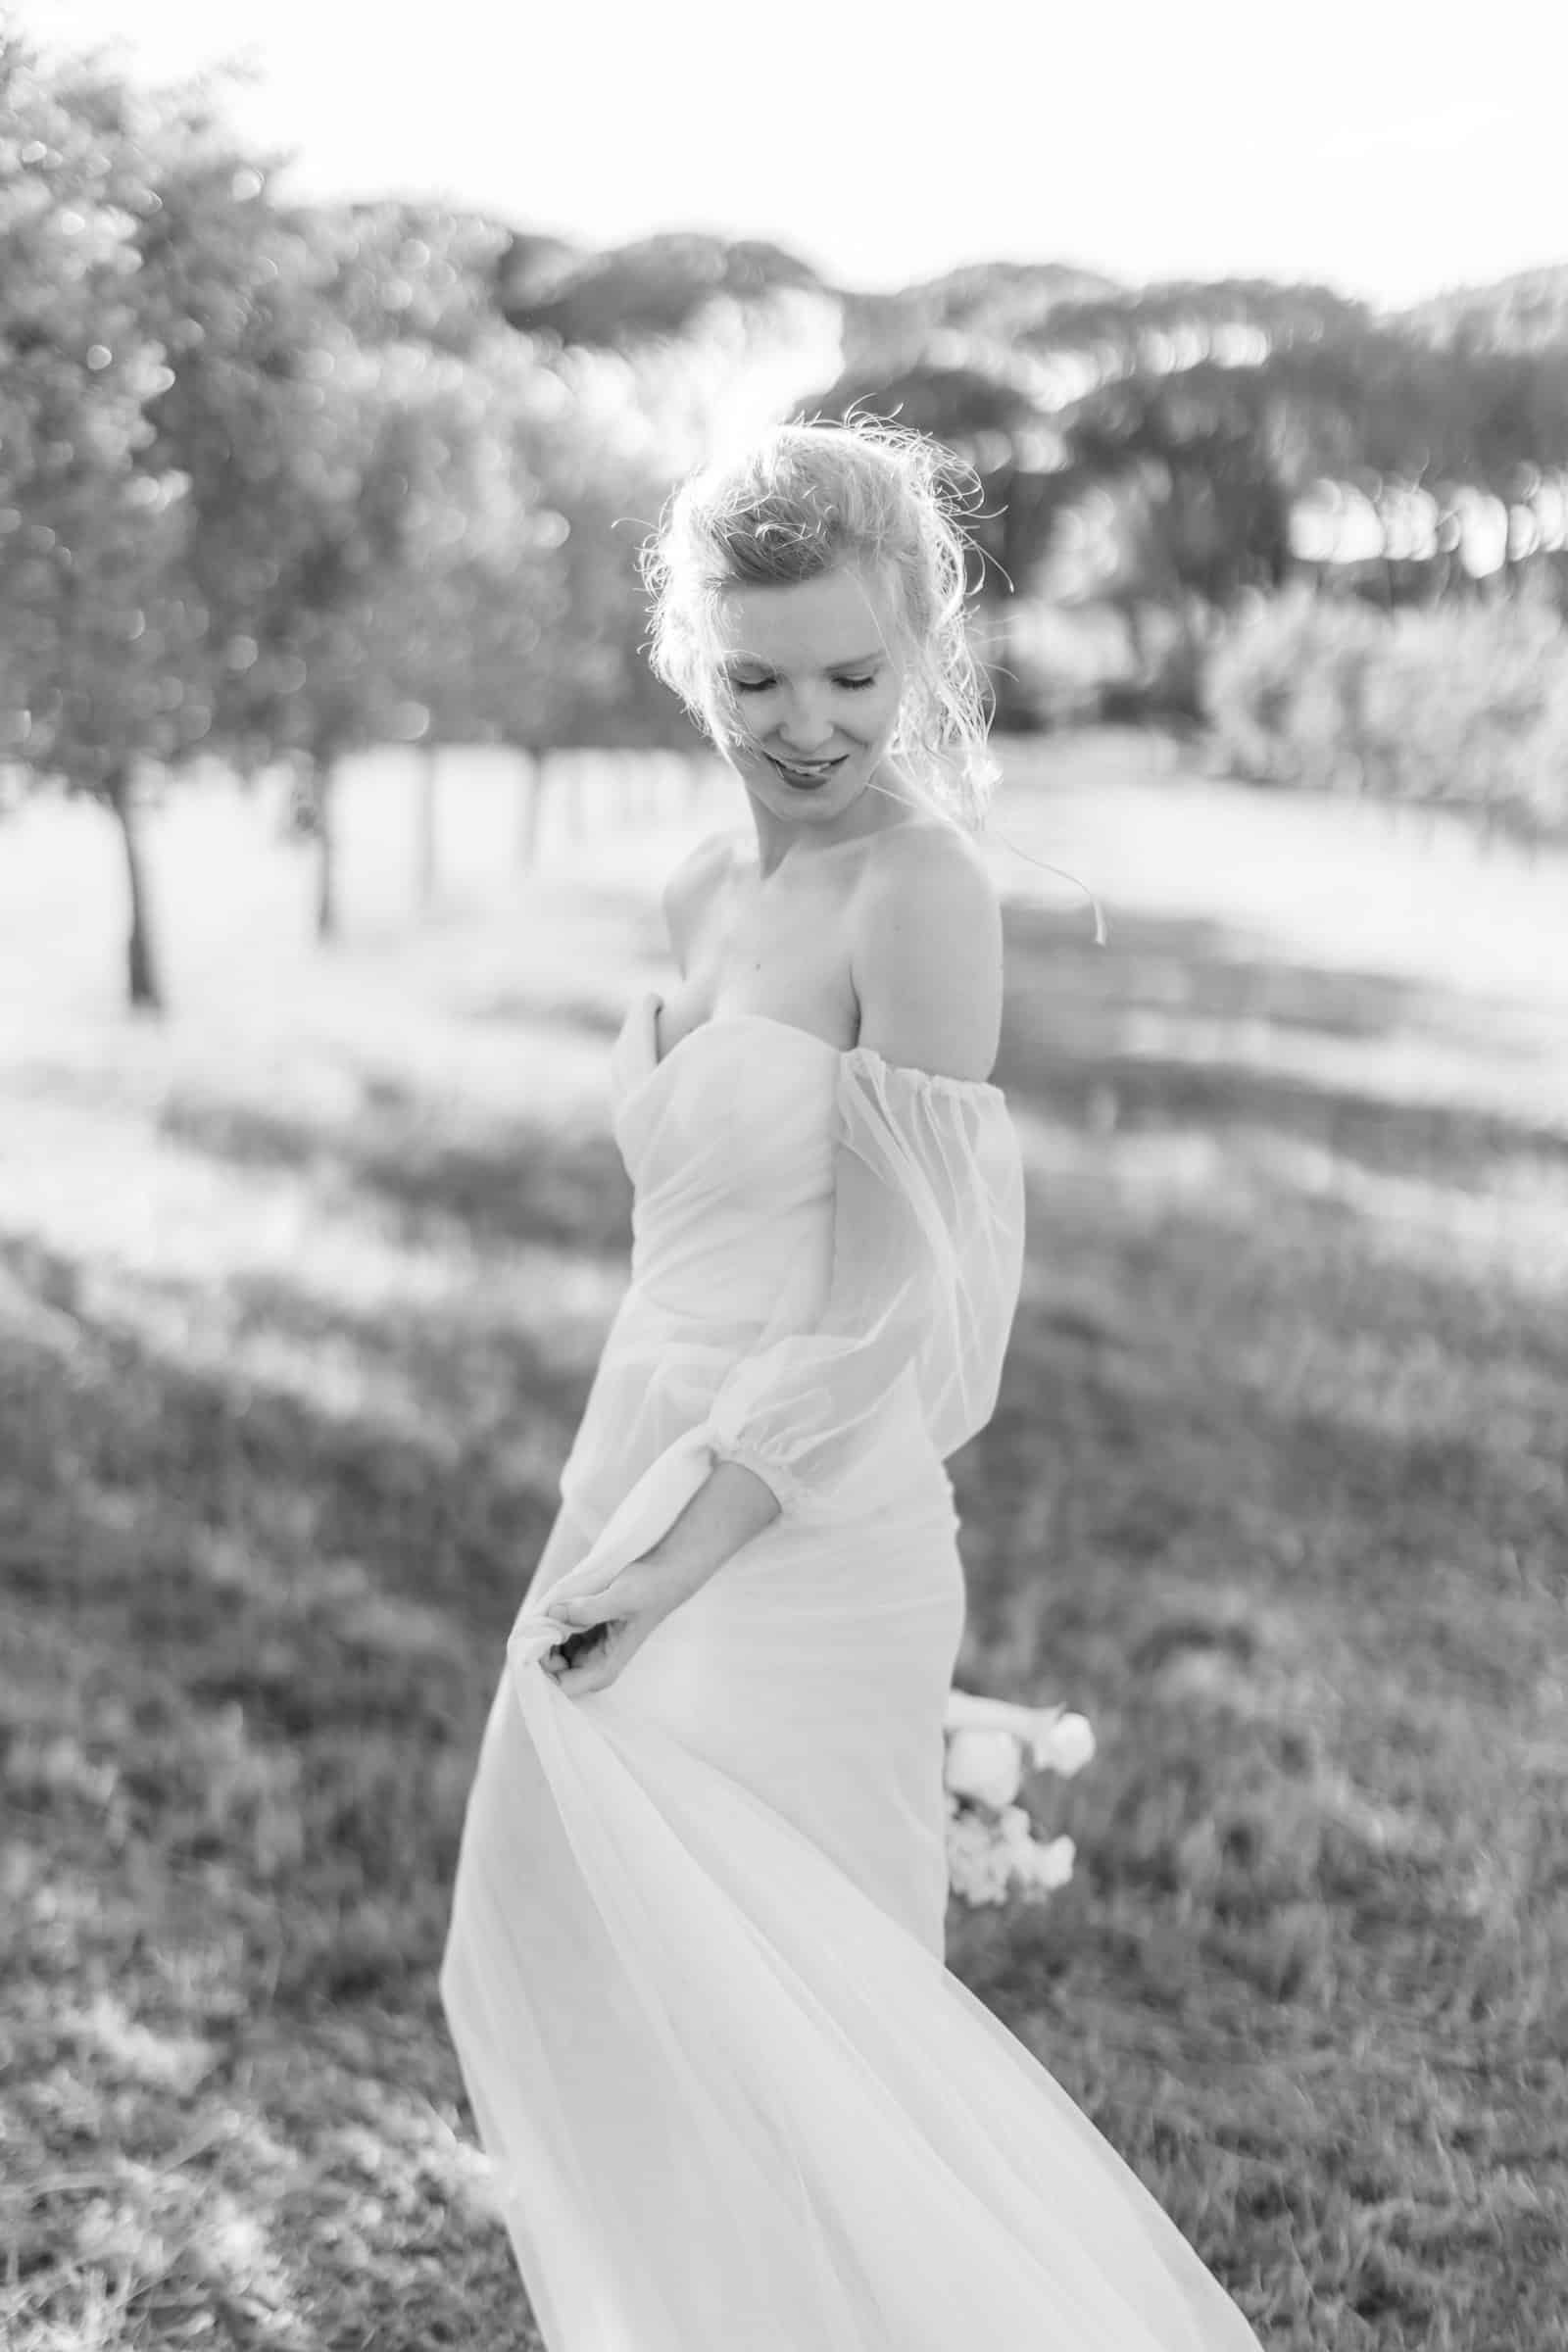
<point>733,2099</point>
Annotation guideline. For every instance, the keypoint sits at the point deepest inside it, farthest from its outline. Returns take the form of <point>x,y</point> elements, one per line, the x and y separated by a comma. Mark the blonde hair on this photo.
<point>814,497</point>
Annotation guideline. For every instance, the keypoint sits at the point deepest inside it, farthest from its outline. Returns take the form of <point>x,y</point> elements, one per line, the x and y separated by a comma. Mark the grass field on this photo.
<point>300,1296</point>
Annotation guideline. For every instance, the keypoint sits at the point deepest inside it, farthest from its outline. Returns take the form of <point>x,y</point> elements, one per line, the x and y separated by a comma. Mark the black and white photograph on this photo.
<point>783,1179</point>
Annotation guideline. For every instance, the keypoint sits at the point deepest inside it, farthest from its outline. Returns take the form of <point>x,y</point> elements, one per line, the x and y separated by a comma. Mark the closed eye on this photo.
<point>763,685</point>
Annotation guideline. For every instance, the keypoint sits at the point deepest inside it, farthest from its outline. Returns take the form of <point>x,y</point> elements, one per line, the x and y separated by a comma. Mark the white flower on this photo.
<point>989,1859</point>
<point>986,1765</point>
<point>978,1866</point>
<point>1016,1828</point>
<point>992,1851</point>
<point>1049,1867</point>
<point>1055,1740</point>
<point>1066,1747</point>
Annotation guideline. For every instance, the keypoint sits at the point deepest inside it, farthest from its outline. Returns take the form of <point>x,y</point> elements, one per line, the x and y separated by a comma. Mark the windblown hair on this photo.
<point>812,498</point>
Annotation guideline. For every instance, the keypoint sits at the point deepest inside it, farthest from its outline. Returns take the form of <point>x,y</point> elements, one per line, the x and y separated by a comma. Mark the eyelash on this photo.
<point>763,685</point>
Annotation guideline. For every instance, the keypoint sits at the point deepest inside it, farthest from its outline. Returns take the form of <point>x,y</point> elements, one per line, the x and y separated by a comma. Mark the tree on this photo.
<point>103,658</point>
<point>656,288</point>
<point>1179,509</point>
<point>468,630</point>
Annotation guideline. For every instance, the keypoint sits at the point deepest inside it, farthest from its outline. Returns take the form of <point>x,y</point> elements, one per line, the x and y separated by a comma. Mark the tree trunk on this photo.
<point>425,847</point>
<point>576,809</point>
<point>1185,666</point>
<point>1025,537</point>
<point>143,991</point>
<point>530,804</point>
<point>323,778</point>
<point>1135,628</point>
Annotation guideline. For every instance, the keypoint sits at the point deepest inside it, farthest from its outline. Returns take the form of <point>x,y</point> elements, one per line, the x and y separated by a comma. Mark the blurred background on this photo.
<point>342,374</point>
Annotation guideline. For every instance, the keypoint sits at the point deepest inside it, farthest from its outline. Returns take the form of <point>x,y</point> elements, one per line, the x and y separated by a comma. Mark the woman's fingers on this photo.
<point>587,1608</point>
<point>607,1628</point>
<point>571,1649</point>
<point>593,1664</point>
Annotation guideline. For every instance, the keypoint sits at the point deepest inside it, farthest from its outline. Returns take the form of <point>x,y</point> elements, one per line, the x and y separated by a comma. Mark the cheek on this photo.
<point>886,716</point>
<point>869,717</point>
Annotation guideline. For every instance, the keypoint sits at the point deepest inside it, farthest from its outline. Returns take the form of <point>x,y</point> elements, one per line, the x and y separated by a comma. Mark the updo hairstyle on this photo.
<point>811,498</point>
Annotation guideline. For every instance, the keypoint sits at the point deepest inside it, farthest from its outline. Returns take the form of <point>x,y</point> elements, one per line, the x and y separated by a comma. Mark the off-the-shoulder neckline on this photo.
<point>939,1080</point>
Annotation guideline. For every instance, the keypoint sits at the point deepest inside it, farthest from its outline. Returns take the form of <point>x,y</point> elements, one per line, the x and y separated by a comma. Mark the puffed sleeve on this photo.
<point>927,1256</point>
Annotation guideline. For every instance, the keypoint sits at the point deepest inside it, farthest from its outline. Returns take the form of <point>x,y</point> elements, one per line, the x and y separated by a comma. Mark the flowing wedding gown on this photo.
<point>733,2099</point>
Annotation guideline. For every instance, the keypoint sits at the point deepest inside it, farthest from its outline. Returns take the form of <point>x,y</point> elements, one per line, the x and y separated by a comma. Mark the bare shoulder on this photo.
<point>926,951</point>
<point>692,883</point>
<point>929,855</point>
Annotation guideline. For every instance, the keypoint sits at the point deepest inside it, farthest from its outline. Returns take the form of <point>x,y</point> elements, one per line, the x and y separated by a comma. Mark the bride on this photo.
<point>733,2099</point>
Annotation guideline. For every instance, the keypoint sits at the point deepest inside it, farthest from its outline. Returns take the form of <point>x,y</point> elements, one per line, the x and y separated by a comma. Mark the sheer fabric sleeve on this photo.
<point>927,1254</point>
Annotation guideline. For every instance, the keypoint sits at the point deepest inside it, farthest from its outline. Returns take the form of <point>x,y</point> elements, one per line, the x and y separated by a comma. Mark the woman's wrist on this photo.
<point>732,1506</point>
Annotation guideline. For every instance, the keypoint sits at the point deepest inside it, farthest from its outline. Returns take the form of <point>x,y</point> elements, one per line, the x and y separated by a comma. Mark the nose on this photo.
<point>806,725</point>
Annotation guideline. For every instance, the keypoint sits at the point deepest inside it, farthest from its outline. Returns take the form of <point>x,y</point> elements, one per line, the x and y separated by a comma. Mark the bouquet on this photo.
<point>993,1850</point>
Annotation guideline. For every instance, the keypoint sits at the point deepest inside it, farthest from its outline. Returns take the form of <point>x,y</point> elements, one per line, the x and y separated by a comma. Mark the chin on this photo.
<point>826,804</point>
<point>827,800</point>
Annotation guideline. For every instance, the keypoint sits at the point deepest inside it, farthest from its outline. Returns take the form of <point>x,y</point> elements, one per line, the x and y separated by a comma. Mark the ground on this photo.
<point>300,1295</point>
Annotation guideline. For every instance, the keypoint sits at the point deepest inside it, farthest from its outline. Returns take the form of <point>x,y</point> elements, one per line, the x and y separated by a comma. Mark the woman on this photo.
<point>695,1975</point>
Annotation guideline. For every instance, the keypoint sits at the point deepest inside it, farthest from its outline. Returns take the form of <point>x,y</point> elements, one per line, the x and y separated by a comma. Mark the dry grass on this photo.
<point>299,1300</point>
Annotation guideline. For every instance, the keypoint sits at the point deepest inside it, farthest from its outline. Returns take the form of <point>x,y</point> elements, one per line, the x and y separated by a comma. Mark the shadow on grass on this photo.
<point>524,1183</point>
<point>442,1496</point>
<point>281,1621</point>
<point>1071,1048</point>
<point>1113,1462</point>
<point>249,1641</point>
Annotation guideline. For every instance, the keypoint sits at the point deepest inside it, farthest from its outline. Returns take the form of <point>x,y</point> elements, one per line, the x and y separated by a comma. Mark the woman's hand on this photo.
<point>609,1627</point>
<point>732,1506</point>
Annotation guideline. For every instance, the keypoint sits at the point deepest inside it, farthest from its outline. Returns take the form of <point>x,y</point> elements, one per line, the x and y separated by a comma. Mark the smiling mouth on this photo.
<point>815,771</point>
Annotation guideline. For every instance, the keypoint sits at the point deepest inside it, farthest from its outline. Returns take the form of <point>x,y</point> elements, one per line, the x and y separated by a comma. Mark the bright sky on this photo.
<point>1383,147</point>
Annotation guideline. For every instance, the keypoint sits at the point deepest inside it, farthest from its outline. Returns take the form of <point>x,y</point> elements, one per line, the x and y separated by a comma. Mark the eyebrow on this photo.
<point>851,662</point>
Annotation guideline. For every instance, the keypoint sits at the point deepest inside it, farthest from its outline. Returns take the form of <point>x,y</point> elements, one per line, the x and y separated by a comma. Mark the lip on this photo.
<point>828,768</point>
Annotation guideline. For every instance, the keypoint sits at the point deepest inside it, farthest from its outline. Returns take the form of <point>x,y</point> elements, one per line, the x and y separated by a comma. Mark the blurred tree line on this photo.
<point>281,482</point>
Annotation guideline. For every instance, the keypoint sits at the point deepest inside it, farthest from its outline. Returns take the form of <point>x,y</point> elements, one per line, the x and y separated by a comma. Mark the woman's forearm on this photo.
<point>732,1506</point>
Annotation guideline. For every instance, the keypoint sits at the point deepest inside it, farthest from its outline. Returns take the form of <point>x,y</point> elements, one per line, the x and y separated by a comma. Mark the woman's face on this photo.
<point>816,686</point>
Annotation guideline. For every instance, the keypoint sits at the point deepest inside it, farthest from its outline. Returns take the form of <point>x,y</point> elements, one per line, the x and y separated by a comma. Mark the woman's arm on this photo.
<point>610,1626</point>
<point>929,1209</point>
<point>730,1508</point>
<point>690,889</point>
<point>925,955</point>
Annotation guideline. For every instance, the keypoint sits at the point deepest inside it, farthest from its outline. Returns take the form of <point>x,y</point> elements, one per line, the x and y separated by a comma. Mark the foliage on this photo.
<point>1194,449</point>
<point>1463,706</point>
<point>1525,311</point>
<point>280,481</point>
<point>101,656</point>
<point>399,270</point>
<point>655,287</point>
